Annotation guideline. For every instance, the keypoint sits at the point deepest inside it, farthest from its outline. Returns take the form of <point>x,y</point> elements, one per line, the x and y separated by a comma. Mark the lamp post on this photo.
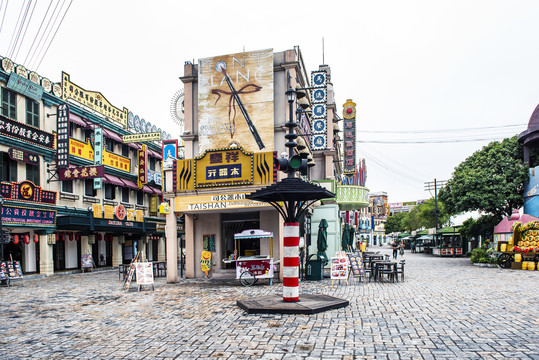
<point>1,230</point>
<point>291,136</point>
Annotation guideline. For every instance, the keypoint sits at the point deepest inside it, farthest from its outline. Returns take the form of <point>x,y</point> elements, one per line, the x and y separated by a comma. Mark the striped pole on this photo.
<point>291,262</point>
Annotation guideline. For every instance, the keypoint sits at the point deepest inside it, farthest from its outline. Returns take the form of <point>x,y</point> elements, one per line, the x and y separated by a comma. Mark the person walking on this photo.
<point>395,248</point>
<point>401,249</point>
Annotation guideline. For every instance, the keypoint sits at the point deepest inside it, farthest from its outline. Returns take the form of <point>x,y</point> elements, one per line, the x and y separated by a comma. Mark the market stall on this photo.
<point>520,251</point>
<point>448,242</point>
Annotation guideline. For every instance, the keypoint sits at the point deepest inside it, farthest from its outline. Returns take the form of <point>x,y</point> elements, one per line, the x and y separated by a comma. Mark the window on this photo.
<point>67,186</point>
<point>89,188</point>
<point>32,112</point>
<point>32,174</point>
<point>8,171</point>
<point>88,133</point>
<point>125,194</point>
<point>152,163</point>
<point>140,198</point>
<point>110,191</point>
<point>9,103</point>
<point>109,144</point>
<point>125,150</point>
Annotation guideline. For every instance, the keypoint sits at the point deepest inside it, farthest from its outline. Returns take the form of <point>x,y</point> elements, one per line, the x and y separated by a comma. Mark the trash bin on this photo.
<point>363,247</point>
<point>314,269</point>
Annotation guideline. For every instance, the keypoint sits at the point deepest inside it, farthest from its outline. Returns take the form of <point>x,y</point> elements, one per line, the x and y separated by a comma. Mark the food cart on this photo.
<point>253,267</point>
<point>520,251</point>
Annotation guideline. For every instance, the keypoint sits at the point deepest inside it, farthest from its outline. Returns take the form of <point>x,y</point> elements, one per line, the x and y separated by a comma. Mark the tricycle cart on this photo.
<point>522,248</point>
<point>253,267</point>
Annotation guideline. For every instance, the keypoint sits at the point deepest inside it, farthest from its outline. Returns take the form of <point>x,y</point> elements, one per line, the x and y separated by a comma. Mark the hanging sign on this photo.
<point>153,136</point>
<point>142,167</point>
<point>349,134</point>
<point>62,141</point>
<point>319,112</point>
<point>118,212</point>
<point>28,192</point>
<point>24,216</point>
<point>170,149</point>
<point>98,155</point>
<point>226,167</point>
<point>25,133</point>
<point>23,156</point>
<point>25,87</point>
<point>93,100</point>
<point>81,172</point>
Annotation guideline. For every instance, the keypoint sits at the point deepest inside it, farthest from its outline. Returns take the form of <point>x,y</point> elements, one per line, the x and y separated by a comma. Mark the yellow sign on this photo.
<point>93,100</point>
<point>107,212</point>
<point>184,179</point>
<point>222,120</point>
<point>97,209</point>
<point>164,208</point>
<point>205,261</point>
<point>227,167</point>
<point>85,151</point>
<point>187,204</point>
<point>153,136</point>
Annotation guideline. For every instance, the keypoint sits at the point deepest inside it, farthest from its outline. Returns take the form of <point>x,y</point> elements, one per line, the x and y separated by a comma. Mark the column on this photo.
<point>172,245</point>
<point>291,262</point>
<point>116,251</point>
<point>46,262</point>
<point>161,249</point>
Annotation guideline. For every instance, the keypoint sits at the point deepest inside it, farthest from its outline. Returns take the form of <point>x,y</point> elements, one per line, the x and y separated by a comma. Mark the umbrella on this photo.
<point>345,238</point>
<point>352,237</point>
<point>322,240</point>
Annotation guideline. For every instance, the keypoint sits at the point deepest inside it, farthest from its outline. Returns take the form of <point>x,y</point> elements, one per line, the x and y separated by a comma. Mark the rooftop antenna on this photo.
<point>323,59</point>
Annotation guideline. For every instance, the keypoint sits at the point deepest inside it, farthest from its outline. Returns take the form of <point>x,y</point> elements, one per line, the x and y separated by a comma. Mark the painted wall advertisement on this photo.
<point>235,101</point>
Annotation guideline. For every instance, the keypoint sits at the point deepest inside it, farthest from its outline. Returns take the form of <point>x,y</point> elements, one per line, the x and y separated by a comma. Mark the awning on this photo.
<point>148,189</point>
<point>78,120</point>
<point>112,135</point>
<point>130,184</point>
<point>253,234</point>
<point>134,145</point>
<point>156,190</point>
<point>155,154</point>
<point>114,180</point>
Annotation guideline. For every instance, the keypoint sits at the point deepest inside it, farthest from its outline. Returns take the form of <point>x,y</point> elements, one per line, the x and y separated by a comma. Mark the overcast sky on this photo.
<point>416,69</point>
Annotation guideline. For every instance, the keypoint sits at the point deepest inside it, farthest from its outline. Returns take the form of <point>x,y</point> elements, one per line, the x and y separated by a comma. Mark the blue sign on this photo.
<point>223,172</point>
<point>25,87</point>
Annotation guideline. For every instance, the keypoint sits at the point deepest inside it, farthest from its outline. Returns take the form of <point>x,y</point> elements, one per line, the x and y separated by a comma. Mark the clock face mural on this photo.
<point>235,101</point>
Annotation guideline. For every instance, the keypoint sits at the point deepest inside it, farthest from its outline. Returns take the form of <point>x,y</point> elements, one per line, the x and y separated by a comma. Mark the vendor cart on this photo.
<point>521,248</point>
<point>251,268</point>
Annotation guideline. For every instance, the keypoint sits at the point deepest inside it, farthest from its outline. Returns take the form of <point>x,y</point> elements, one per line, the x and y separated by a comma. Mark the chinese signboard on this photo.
<point>24,156</point>
<point>85,151</point>
<point>222,122</point>
<point>62,124</point>
<point>26,133</point>
<point>223,168</point>
<point>81,172</point>
<point>25,87</point>
<point>142,167</point>
<point>319,110</point>
<point>28,192</point>
<point>349,134</point>
<point>93,100</point>
<point>25,216</point>
<point>153,136</point>
<point>46,84</point>
<point>118,212</point>
<point>98,154</point>
<point>212,202</point>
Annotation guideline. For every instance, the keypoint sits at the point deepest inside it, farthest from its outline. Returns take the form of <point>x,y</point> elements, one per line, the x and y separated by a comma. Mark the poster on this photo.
<point>357,267</point>
<point>87,261</point>
<point>144,272</point>
<point>339,268</point>
<point>222,120</point>
<point>10,270</point>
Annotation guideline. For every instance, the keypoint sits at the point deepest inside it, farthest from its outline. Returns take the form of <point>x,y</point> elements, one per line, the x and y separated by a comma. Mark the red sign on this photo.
<point>81,172</point>
<point>26,191</point>
<point>142,167</point>
<point>23,156</point>
<point>120,212</point>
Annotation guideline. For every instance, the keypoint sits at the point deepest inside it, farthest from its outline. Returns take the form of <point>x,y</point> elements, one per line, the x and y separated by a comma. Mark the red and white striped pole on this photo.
<point>291,262</point>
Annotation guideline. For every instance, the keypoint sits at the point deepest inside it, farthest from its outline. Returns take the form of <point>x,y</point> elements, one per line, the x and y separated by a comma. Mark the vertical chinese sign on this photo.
<point>349,141</point>
<point>98,154</point>
<point>62,124</point>
<point>142,168</point>
<point>319,126</point>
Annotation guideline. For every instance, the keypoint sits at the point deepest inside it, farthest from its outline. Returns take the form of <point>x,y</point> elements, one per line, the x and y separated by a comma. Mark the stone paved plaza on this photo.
<point>445,309</point>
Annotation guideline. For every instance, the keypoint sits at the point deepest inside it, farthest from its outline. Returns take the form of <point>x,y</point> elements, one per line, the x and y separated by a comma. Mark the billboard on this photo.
<point>235,101</point>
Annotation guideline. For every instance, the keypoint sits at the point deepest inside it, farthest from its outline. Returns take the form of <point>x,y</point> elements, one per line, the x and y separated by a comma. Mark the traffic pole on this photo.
<point>291,262</point>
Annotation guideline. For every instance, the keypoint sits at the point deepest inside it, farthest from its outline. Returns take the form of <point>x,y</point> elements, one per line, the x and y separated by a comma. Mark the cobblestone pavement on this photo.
<point>445,309</point>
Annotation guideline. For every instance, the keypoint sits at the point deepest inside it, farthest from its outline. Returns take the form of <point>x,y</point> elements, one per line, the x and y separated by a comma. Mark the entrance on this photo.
<point>236,223</point>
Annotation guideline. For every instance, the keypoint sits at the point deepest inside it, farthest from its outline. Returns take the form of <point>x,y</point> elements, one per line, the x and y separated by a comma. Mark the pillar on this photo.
<point>46,262</point>
<point>291,262</point>
<point>172,245</point>
<point>161,249</point>
<point>189,227</point>
<point>85,247</point>
<point>116,251</point>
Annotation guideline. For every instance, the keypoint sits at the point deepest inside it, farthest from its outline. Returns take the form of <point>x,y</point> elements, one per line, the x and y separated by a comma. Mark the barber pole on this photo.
<point>291,262</point>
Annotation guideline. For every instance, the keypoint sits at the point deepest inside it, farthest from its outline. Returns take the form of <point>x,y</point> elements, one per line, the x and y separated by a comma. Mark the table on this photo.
<point>385,267</point>
<point>159,268</point>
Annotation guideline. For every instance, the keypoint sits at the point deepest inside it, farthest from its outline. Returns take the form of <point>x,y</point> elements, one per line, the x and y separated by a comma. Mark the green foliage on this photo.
<point>482,256</point>
<point>395,223</point>
<point>483,226</point>
<point>421,216</point>
<point>491,180</point>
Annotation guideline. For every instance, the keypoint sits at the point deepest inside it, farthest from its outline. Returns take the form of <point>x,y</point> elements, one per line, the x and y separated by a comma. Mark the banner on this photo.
<point>142,167</point>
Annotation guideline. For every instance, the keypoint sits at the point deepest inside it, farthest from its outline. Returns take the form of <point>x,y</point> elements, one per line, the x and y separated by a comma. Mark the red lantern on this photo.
<point>57,237</point>
<point>71,236</point>
<point>63,236</point>
<point>99,238</point>
<point>27,239</point>
<point>77,236</point>
<point>36,238</point>
<point>15,239</point>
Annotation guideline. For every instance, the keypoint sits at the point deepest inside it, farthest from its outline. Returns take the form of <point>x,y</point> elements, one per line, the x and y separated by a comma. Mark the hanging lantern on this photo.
<point>63,236</point>
<point>51,239</point>
<point>91,239</point>
<point>71,236</point>
<point>99,237</point>
<point>15,239</point>
<point>57,237</point>
<point>77,236</point>
<point>36,238</point>
<point>27,239</point>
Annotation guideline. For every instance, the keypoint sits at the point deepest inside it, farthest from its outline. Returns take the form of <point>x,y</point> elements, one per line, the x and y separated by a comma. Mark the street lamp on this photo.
<point>1,230</point>
<point>291,136</point>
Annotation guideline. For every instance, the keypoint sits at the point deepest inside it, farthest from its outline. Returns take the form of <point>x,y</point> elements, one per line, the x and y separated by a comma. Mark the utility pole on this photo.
<point>429,186</point>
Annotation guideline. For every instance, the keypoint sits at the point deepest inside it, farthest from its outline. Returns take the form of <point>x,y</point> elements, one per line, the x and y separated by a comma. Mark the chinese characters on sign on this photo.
<point>153,136</point>
<point>98,154</point>
<point>22,215</point>
<point>319,114</point>
<point>28,192</point>
<point>23,156</point>
<point>349,141</point>
<point>25,87</point>
<point>118,212</point>
<point>93,100</point>
<point>224,168</point>
<point>26,133</point>
<point>81,172</point>
<point>62,124</point>
<point>142,167</point>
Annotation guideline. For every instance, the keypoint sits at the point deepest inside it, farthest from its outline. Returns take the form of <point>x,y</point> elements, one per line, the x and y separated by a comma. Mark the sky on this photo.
<point>427,76</point>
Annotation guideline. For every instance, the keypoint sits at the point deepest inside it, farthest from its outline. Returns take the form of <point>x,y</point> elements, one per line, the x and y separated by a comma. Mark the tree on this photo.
<point>427,214</point>
<point>396,223</point>
<point>491,180</point>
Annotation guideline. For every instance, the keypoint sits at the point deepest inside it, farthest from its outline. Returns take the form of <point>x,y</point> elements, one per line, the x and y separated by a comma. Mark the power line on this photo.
<point>4,16</point>
<point>38,31</point>
<point>428,141</point>
<point>38,49</point>
<point>438,130</point>
<point>15,29</point>
<point>55,34</point>
<point>25,30</point>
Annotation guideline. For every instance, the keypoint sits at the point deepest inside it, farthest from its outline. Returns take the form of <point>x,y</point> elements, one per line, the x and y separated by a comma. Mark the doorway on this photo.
<point>236,223</point>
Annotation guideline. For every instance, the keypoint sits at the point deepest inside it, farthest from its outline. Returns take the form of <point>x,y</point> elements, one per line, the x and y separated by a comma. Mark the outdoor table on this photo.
<point>159,267</point>
<point>385,266</point>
